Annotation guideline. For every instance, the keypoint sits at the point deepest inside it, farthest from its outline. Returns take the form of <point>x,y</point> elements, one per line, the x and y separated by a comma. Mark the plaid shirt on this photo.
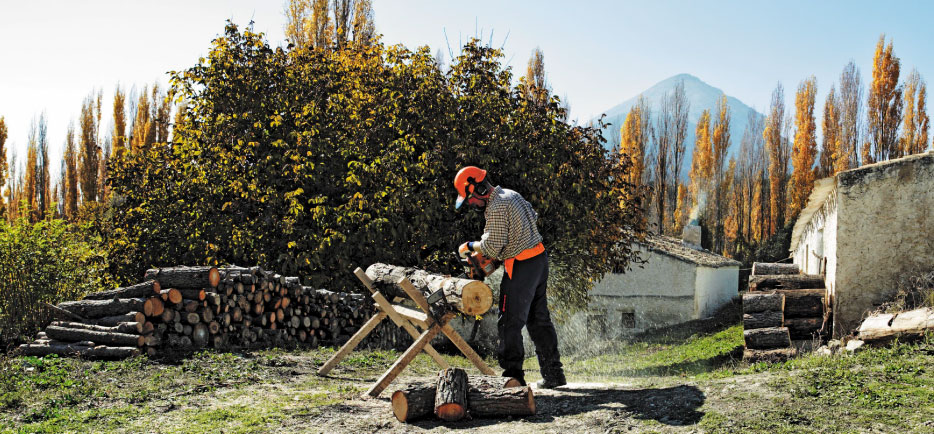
<point>510,225</point>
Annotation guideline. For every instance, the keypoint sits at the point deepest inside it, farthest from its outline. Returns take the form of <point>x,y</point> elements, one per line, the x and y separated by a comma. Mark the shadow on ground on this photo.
<point>671,406</point>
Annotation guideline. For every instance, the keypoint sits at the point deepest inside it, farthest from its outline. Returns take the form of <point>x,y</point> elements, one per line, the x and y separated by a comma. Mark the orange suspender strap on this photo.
<point>526,254</point>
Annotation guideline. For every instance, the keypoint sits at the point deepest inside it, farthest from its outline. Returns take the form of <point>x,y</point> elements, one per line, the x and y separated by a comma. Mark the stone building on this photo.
<point>864,228</point>
<point>679,282</point>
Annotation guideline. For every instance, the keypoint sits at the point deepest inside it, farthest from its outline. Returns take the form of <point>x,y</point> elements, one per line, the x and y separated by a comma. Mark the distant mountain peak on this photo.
<point>700,95</point>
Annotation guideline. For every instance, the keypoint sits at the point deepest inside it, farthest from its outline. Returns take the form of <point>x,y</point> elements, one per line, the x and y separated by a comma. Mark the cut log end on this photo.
<point>477,298</point>
<point>451,411</point>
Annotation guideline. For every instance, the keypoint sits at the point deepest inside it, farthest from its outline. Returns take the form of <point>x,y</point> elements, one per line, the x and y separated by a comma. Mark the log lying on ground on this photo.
<point>881,328</point>
<point>471,297</point>
<point>785,281</point>
<point>67,349</point>
<point>418,400</point>
<point>758,320</point>
<point>66,334</point>
<point>103,308</point>
<point>185,277</point>
<point>772,268</point>
<point>775,355</point>
<point>767,338</point>
<point>514,401</point>
<point>123,327</point>
<point>803,303</point>
<point>140,290</point>
<point>763,302</point>
<point>451,394</point>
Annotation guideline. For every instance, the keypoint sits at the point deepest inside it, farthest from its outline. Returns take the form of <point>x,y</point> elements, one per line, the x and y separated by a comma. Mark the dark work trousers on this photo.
<point>523,302</point>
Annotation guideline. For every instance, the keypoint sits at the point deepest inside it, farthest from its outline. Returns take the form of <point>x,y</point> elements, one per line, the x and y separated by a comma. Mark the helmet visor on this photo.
<point>460,201</point>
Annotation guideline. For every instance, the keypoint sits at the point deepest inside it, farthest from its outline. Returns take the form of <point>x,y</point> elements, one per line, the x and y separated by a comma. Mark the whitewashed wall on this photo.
<point>715,287</point>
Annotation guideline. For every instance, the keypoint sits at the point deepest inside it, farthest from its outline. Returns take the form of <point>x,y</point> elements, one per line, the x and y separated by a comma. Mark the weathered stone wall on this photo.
<point>885,228</point>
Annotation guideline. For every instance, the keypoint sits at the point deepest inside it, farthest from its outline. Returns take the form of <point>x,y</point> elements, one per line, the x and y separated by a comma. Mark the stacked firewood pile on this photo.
<point>453,396</point>
<point>180,309</point>
<point>781,306</point>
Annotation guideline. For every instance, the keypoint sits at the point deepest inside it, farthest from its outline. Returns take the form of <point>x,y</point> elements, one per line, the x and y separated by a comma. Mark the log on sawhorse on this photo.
<point>404,317</point>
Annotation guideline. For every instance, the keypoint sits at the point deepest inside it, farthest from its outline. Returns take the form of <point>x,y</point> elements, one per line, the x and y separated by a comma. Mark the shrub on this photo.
<point>44,262</point>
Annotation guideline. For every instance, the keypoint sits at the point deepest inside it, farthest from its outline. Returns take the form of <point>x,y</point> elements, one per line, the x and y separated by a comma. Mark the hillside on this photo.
<point>700,95</point>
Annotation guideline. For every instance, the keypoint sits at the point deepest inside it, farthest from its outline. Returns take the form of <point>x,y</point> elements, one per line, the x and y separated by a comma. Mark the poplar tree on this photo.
<point>720,144</point>
<point>31,177</point>
<point>536,88</point>
<point>804,150</point>
<point>884,106</point>
<point>779,151</point>
<point>118,137</point>
<point>144,128</point>
<point>321,25</point>
<point>701,161</point>
<point>632,144</point>
<point>850,109</point>
<point>364,29</point>
<point>4,133</point>
<point>89,149</point>
<point>43,180</point>
<point>70,176</point>
<point>831,149</point>
<point>914,138</point>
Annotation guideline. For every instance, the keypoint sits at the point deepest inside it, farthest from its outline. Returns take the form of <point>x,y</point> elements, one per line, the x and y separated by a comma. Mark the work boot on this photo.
<point>517,374</point>
<point>552,381</point>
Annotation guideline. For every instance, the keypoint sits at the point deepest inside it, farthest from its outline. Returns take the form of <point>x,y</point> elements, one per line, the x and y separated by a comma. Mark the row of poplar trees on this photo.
<point>747,198</point>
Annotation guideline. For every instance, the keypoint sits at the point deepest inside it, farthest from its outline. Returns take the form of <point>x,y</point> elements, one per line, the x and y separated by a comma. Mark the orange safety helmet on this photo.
<point>470,175</point>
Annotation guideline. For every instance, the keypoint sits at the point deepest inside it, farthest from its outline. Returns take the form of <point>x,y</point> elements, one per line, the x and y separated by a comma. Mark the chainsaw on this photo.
<point>476,267</point>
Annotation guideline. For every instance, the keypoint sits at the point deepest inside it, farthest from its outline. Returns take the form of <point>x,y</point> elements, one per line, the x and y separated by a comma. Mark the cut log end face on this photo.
<point>451,412</point>
<point>400,405</point>
<point>477,299</point>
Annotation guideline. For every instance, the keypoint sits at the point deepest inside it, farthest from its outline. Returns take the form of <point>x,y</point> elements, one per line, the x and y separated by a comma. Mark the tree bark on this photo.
<point>759,302</point>
<point>767,338</point>
<point>514,401</point>
<point>197,294</point>
<point>140,290</point>
<point>185,277</point>
<point>101,338</point>
<point>785,281</point>
<point>758,320</point>
<point>776,355</point>
<point>103,308</point>
<point>773,268</point>
<point>123,327</point>
<point>413,402</point>
<point>801,303</point>
<point>803,328</point>
<point>451,394</point>
<point>472,297</point>
<point>65,349</point>
<point>117,319</point>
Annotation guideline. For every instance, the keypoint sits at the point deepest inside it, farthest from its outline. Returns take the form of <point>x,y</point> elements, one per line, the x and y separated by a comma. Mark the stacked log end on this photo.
<point>454,395</point>
<point>782,305</point>
<point>180,309</point>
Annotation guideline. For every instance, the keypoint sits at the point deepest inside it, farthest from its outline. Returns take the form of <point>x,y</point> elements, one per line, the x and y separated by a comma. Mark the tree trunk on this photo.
<point>773,268</point>
<point>451,394</point>
<point>101,338</point>
<point>197,294</point>
<point>413,402</point>
<point>65,349</point>
<point>472,297</point>
<point>140,290</point>
<point>767,338</point>
<point>489,402</point>
<point>185,277</point>
<point>802,303</point>
<point>785,281</point>
<point>123,327</point>
<point>758,320</point>
<point>102,308</point>
<point>759,302</point>
<point>884,327</point>
<point>117,319</point>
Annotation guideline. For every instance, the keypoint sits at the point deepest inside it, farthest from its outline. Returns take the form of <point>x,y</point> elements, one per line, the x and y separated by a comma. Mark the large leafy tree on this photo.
<point>315,161</point>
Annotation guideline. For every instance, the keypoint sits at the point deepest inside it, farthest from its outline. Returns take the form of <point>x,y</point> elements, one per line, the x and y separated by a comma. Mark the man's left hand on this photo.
<point>464,250</point>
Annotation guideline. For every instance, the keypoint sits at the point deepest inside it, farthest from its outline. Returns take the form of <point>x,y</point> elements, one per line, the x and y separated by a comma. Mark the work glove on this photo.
<point>465,249</point>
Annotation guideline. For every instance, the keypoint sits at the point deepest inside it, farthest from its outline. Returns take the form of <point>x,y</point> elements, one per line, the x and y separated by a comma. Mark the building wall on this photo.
<point>817,249</point>
<point>885,229</point>
<point>715,287</point>
<point>660,293</point>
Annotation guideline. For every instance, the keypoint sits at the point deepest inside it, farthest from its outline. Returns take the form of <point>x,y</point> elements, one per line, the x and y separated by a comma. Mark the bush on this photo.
<point>44,262</point>
<point>312,162</point>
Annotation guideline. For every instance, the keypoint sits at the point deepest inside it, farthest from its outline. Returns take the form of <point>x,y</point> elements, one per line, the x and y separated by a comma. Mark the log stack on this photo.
<point>179,309</point>
<point>453,396</point>
<point>782,306</point>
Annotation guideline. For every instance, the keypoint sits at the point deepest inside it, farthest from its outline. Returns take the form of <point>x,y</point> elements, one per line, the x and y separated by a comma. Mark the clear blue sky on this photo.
<point>597,53</point>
